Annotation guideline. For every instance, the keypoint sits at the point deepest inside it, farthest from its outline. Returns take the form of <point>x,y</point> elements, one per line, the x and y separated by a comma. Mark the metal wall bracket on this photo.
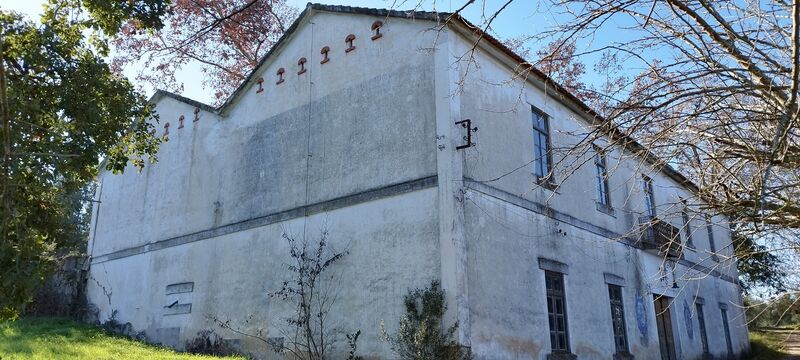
<point>466,124</point>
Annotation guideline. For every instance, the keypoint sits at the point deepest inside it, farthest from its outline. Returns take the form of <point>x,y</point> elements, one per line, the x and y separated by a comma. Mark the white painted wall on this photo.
<point>507,230</point>
<point>365,144</point>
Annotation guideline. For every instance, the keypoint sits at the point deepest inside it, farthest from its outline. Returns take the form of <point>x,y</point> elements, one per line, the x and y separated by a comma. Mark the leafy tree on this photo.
<point>420,335</point>
<point>758,267</point>
<point>62,111</point>
<point>708,91</point>
<point>226,38</point>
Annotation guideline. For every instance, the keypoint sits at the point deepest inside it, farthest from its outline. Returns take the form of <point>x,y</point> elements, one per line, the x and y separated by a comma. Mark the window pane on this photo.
<point>557,312</point>
<point>541,144</point>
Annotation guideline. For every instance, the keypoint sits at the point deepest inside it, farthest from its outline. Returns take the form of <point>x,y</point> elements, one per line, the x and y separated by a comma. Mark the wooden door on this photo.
<point>664,324</point>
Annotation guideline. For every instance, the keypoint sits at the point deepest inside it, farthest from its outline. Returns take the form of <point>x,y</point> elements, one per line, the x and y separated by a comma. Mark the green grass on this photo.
<point>765,345</point>
<point>49,338</point>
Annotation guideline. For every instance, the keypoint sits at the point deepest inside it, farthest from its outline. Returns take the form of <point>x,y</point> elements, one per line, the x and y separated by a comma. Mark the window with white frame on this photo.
<point>649,196</point>
<point>601,178</point>
<point>541,145</point>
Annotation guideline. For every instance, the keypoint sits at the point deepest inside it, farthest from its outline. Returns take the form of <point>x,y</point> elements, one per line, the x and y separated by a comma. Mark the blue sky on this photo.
<point>521,17</point>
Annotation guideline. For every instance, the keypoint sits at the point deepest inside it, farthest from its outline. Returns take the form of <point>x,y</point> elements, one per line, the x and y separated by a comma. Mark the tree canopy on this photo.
<point>63,110</point>
<point>227,39</point>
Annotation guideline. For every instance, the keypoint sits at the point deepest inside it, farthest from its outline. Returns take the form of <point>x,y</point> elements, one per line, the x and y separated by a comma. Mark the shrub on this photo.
<point>207,342</point>
<point>421,335</point>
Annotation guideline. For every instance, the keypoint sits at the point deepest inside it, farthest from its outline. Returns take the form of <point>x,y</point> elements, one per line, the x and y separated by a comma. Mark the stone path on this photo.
<point>792,344</point>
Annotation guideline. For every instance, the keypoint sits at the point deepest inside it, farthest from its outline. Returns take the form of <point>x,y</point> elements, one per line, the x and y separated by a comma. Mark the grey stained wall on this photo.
<point>364,146</point>
<point>511,223</point>
<point>350,143</point>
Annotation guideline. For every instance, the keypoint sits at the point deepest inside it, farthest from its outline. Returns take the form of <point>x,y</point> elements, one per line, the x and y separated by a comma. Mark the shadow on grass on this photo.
<point>767,344</point>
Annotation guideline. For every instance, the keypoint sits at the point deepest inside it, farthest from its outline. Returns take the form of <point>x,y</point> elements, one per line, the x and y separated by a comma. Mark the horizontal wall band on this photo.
<point>541,209</point>
<point>384,192</point>
<point>328,205</point>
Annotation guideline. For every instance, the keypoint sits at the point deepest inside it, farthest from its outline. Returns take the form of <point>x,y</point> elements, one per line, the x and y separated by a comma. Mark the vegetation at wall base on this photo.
<point>420,334</point>
<point>58,338</point>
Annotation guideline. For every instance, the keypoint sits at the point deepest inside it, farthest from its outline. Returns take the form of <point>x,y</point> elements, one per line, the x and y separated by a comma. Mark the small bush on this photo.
<point>207,342</point>
<point>420,336</point>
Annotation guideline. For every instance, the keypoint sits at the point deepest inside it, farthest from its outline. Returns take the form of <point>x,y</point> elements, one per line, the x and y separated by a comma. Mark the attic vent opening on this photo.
<point>349,41</point>
<point>196,114</point>
<point>280,76</point>
<point>180,122</point>
<point>260,83</point>
<point>325,50</point>
<point>302,64</point>
<point>166,129</point>
<point>376,27</point>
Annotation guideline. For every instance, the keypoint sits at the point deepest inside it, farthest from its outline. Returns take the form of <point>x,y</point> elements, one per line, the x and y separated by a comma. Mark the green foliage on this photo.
<point>207,342</point>
<point>53,338</point>
<point>758,266</point>
<point>110,15</point>
<point>767,345</point>
<point>783,310</point>
<point>421,335</point>
<point>352,343</point>
<point>65,110</point>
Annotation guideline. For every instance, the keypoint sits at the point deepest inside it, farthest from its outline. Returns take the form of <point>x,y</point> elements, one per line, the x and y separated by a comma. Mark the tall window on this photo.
<point>541,145</point>
<point>649,197</point>
<point>618,318</point>
<point>601,184</point>
<point>711,245</point>
<point>557,311</point>
<point>701,319</point>
<point>687,225</point>
<point>727,329</point>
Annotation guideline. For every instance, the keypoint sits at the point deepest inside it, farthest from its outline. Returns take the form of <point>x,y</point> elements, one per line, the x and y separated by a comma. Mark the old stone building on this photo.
<point>354,124</point>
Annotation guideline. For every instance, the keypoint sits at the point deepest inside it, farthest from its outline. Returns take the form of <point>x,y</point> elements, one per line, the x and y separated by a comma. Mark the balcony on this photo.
<point>660,237</point>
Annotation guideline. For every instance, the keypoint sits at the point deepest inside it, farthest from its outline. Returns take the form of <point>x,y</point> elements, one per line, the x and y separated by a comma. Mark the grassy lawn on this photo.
<point>767,345</point>
<point>48,338</point>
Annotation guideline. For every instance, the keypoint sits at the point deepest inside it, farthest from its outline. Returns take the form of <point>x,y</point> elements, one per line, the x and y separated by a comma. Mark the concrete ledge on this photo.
<point>543,210</point>
<point>699,300</point>
<point>311,209</point>
<point>178,309</point>
<point>179,288</point>
<point>553,265</point>
<point>562,356</point>
<point>614,279</point>
<point>623,356</point>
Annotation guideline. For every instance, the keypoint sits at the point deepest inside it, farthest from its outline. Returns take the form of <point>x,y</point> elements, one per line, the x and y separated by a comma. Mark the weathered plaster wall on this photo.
<point>234,273</point>
<point>507,292</point>
<point>367,127</point>
<point>365,143</point>
<point>350,142</point>
<point>511,222</point>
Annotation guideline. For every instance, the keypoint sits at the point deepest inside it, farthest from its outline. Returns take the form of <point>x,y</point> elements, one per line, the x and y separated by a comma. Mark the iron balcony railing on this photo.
<point>659,235</point>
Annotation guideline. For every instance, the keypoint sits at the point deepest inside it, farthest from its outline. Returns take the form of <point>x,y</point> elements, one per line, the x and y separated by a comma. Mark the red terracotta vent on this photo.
<point>280,76</point>
<point>376,27</point>
<point>349,41</point>
<point>325,50</point>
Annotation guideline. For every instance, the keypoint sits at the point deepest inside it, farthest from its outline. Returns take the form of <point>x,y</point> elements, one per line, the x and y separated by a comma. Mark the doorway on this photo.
<point>664,324</point>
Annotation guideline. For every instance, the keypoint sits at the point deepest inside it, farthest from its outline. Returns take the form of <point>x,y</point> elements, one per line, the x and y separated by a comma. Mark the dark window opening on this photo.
<point>649,197</point>
<point>618,318</point>
<point>712,247</point>
<point>727,330</point>
<point>557,312</point>
<point>702,322</point>
<point>541,146</point>
<point>687,225</point>
<point>601,183</point>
